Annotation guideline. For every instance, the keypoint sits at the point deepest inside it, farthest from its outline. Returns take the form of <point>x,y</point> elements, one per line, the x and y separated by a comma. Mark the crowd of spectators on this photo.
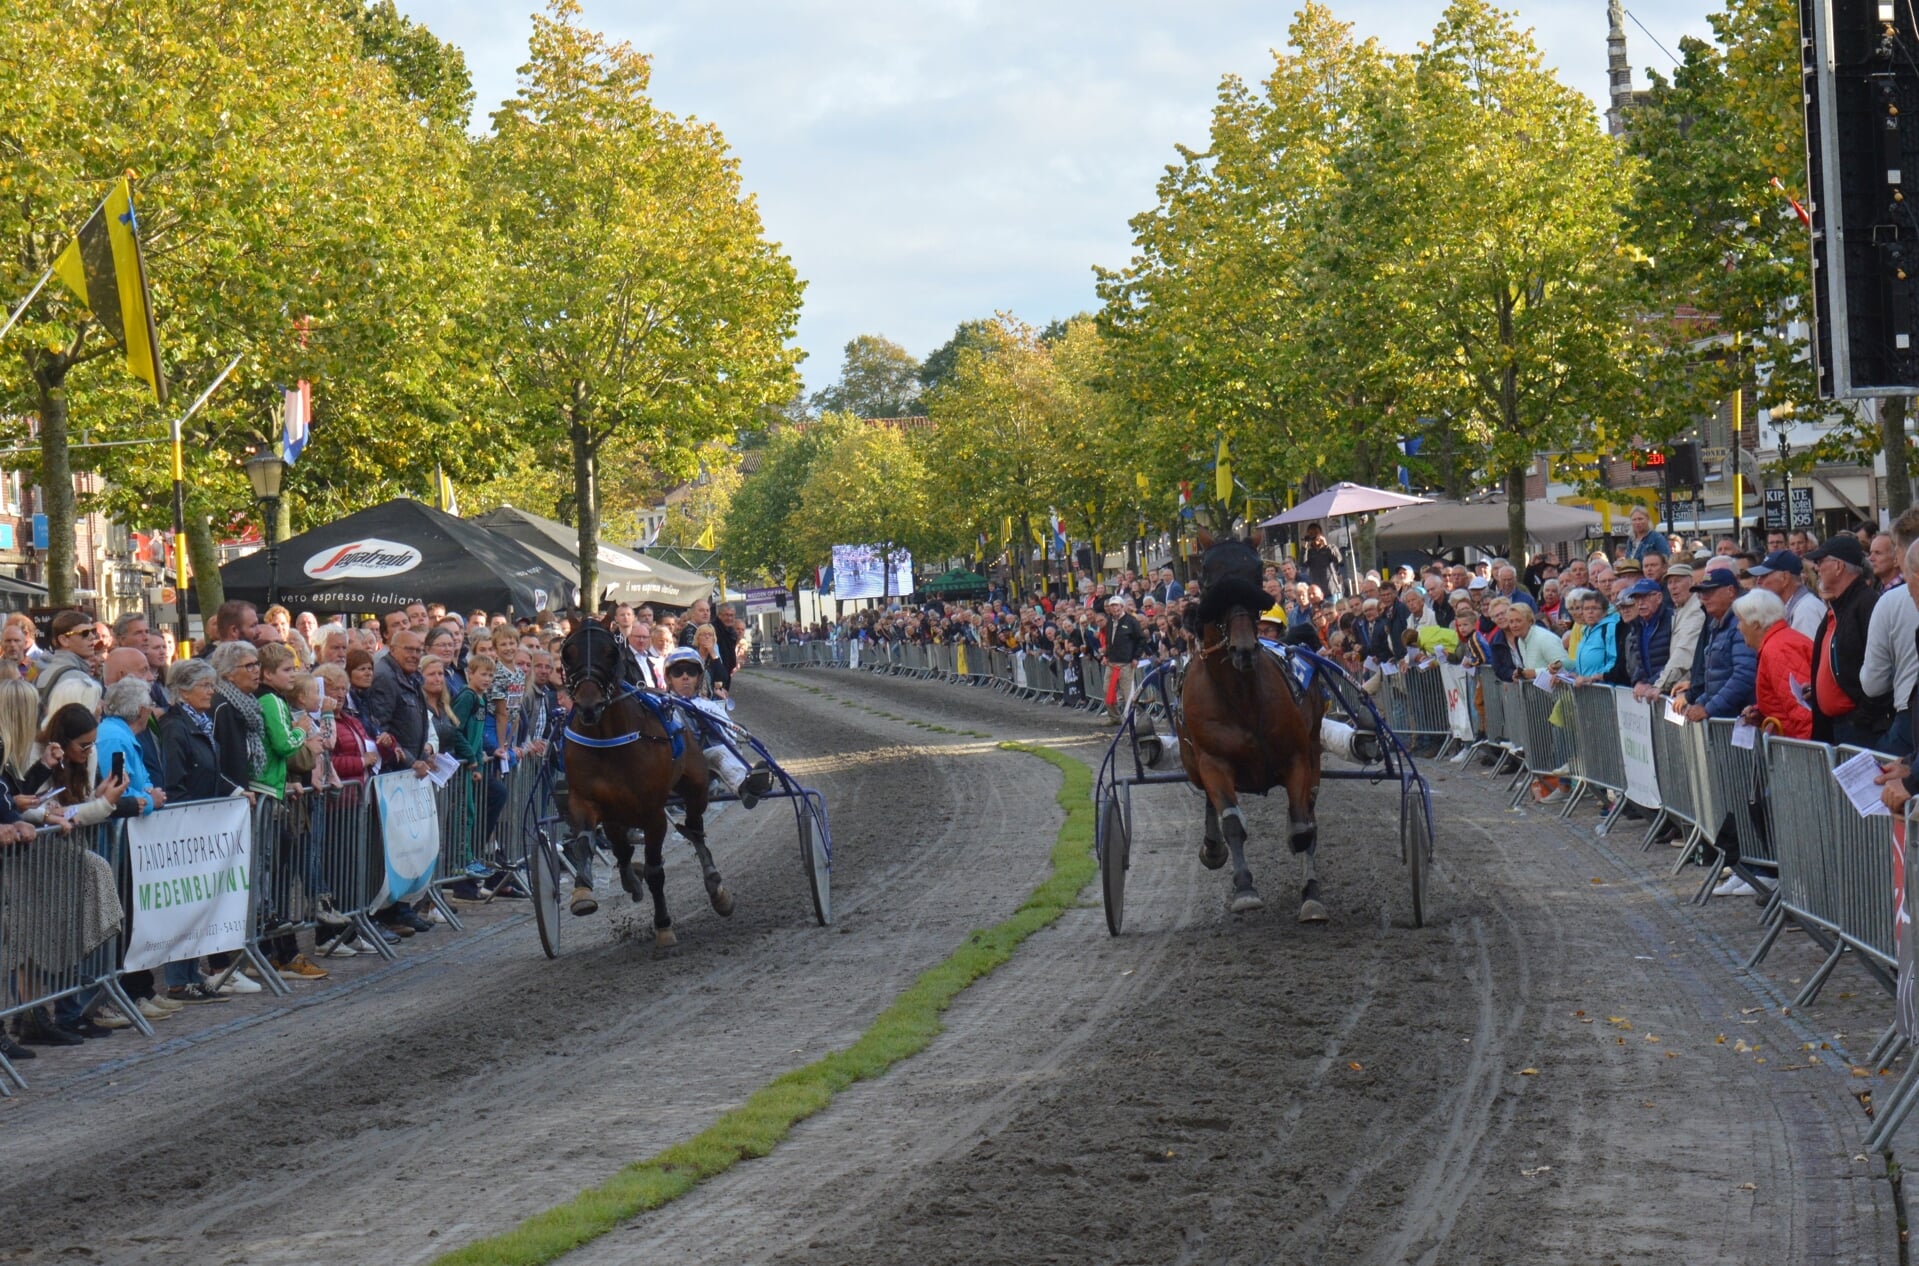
<point>278,706</point>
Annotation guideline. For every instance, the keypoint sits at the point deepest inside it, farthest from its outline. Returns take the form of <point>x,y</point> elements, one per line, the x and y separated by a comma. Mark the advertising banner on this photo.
<point>192,874</point>
<point>1459,689</point>
<point>410,833</point>
<point>1635,749</point>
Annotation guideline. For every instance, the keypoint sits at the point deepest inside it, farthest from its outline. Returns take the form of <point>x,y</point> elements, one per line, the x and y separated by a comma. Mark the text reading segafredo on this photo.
<point>367,557</point>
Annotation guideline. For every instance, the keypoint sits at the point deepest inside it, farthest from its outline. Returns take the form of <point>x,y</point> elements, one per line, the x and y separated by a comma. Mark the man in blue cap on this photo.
<point>1782,573</point>
<point>1652,630</point>
<point>1724,667</point>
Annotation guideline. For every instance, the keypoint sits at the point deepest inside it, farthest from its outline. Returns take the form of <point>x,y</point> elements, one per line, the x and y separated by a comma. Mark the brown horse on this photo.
<point>1244,728</point>
<point>622,766</point>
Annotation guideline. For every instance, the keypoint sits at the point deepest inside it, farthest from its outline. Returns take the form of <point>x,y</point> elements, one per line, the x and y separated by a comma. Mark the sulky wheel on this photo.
<point>1415,846</point>
<point>543,876</point>
<point>817,863</point>
<point>1115,849</point>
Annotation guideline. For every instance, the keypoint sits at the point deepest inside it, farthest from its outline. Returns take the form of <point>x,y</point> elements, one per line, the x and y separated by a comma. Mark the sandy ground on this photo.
<point>1534,1077</point>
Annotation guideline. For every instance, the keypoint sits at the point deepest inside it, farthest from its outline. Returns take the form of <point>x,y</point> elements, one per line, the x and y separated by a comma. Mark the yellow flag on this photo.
<point>1223,473</point>
<point>1006,532</point>
<point>1145,484</point>
<point>102,267</point>
<point>706,538</point>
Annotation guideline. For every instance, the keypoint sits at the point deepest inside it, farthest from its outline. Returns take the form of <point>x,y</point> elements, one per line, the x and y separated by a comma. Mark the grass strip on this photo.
<point>754,1128</point>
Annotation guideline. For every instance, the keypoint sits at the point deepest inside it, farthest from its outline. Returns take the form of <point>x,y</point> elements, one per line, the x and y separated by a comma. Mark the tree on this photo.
<point>704,505</point>
<point>763,533</point>
<point>638,299</point>
<point>940,364</point>
<point>292,208</point>
<point>429,73</point>
<point>869,487</point>
<point>1504,204</point>
<point>878,379</point>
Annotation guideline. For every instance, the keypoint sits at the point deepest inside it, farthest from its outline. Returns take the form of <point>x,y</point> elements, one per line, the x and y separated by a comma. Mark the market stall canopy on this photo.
<point>1441,524</point>
<point>1342,499</point>
<point>624,575</point>
<point>958,582</point>
<point>398,552</point>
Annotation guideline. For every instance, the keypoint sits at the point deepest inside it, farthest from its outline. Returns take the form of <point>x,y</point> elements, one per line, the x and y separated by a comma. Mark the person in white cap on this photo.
<point>684,672</point>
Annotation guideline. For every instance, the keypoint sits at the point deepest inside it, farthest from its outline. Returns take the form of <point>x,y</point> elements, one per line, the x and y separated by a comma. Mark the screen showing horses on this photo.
<point>859,571</point>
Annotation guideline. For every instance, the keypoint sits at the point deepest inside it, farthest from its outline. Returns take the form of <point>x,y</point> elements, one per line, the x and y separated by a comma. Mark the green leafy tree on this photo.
<point>763,533</point>
<point>293,209</point>
<point>940,365</point>
<point>638,299</point>
<point>870,487</point>
<point>878,379</point>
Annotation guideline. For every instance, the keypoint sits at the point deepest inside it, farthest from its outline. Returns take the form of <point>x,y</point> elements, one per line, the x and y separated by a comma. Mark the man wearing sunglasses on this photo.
<point>684,673</point>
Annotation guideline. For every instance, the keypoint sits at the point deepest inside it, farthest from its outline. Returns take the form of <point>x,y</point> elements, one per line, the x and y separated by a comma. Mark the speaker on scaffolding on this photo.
<point>1861,93</point>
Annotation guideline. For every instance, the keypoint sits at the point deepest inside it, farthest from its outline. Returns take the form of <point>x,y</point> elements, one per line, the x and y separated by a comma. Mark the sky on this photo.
<point>925,163</point>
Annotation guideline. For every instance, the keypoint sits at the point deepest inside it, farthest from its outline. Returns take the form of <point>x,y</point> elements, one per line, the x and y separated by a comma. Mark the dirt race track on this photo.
<point>1535,1077</point>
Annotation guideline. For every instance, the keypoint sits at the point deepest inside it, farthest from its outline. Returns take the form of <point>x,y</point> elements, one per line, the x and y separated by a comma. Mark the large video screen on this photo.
<point>858,572</point>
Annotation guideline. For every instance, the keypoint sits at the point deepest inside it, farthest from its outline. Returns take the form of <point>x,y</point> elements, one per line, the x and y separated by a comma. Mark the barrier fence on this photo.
<point>313,861</point>
<point>1767,806</point>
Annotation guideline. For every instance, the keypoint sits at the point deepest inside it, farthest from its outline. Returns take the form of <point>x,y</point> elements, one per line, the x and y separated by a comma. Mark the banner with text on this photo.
<point>1635,748</point>
<point>191,873</point>
<point>410,832</point>
<point>1459,690</point>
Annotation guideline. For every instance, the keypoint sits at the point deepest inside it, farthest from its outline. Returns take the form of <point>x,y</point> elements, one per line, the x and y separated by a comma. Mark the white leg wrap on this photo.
<point>726,766</point>
<point>1336,737</point>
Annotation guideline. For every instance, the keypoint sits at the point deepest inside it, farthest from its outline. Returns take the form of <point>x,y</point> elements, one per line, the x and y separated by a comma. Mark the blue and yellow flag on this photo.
<point>102,267</point>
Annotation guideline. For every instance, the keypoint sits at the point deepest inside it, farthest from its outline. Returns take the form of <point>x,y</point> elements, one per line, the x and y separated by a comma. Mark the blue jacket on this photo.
<point>1598,647</point>
<point>1655,644</point>
<point>115,735</point>
<point>1655,543</point>
<point>1731,667</point>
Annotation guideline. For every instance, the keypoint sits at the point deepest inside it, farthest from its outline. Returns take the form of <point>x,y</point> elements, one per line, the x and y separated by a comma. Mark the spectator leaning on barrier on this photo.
<point>1594,642</point>
<point>1720,684</point>
<point>1784,658</point>
<point>1892,657</point>
<point>395,708</point>
<point>1652,633</point>
<point>1899,781</point>
<point>1842,710</point>
<point>124,711</point>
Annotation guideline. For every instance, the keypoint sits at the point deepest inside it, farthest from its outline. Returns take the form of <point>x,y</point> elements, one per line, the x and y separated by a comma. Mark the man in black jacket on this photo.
<point>1842,712</point>
<point>1389,634</point>
<point>396,705</point>
<point>1125,642</point>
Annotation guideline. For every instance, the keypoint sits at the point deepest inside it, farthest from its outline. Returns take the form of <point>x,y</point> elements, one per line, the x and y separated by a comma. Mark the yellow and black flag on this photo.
<point>102,267</point>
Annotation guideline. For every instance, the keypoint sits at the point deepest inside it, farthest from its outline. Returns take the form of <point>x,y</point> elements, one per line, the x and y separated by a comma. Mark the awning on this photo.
<point>398,552</point>
<point>624,575</point>
<point>1442,524</point>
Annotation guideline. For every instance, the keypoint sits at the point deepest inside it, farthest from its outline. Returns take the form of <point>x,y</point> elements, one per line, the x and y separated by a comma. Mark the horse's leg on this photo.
<point>1302,793</point>
<point>620,837</point>
<point>1212,848</point>
<point>1223,799</point>
<point>693,799</point>
<point>656,824</point>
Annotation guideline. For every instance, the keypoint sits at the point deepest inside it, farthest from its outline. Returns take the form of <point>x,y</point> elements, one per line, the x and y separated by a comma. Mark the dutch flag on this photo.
<point>1059,532</point>
<point>299,421</point>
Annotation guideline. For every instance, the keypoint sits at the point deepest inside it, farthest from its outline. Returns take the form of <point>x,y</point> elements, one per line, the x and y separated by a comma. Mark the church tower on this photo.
<point>1618,69</point>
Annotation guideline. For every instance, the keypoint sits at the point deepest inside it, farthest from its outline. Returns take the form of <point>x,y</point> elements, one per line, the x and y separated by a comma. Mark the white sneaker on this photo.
<point>432,915</point>
<point>360,946</point>
<point>1734,886</point>
<point>339,950</point>
<point>1557,795</point>
<point>110,1018</point>
<point>240,982</point>
<point>154,1011</point>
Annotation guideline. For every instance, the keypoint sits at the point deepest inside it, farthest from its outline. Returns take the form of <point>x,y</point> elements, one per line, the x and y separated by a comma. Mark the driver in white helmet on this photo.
<point>684,673</point>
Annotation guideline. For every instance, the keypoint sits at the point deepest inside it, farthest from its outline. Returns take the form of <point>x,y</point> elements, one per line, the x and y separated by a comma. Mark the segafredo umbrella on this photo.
<point>398,552</point>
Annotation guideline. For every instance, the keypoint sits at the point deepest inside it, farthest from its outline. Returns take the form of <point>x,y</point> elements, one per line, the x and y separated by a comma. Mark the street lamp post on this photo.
<point>266,470</point>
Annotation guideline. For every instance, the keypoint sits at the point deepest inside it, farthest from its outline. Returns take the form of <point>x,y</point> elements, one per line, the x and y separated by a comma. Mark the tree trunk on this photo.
<point>1516,516</point>
<point>586,501</point>
<point>56,476</point>
<point>1892,441</point>
<point>203,557</point>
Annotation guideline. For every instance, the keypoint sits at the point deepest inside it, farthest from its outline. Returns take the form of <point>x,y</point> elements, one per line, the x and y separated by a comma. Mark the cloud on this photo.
<point>928,163</point>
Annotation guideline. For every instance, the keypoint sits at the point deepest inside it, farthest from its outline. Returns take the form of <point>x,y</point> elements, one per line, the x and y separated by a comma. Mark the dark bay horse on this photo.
<point>622,765</point>
<point>1244,727</point>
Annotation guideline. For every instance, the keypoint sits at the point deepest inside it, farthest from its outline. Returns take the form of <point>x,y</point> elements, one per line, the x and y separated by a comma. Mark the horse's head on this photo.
<point>591,661</point>
<point>1230,598</point>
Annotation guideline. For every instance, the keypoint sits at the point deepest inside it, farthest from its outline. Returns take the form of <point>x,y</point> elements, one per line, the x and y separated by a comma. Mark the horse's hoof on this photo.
<point>1246,899</point>
<point>1312,912</point>
<point>664,942</point>
<point>1212,854</point>
<point>722,901</point>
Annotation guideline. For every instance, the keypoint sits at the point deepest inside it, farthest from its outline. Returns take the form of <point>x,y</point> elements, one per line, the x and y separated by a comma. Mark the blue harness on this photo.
<point>666,714</point>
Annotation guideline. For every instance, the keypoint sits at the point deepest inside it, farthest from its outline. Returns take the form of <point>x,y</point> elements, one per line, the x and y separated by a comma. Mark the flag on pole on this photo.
<point>102,267</point>
<point>1058,526</point>
<point>443,495</point>
<point>297,414</point>
<point>706,538</point>
<point>1223,473</point>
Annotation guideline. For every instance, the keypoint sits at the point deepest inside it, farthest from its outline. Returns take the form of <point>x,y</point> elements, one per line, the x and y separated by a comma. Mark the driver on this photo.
<point>1336,737</point>
<point>684,672</point>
